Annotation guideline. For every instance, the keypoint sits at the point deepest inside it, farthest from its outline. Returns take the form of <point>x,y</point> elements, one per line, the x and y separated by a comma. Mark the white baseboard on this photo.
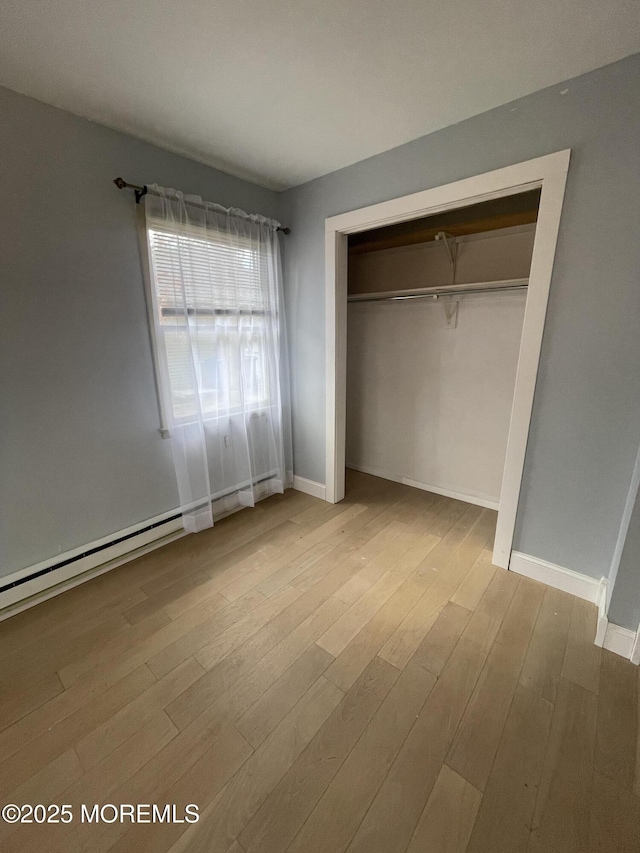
<point>310,487</point>
<point>616,639</point>
<point>620,640</point>
<point>603,622</point>
<point>478,500</point>
<point>567,580</point>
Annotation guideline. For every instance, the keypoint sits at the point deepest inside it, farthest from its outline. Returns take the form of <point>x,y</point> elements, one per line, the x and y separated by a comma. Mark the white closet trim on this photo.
<point>549,173</point>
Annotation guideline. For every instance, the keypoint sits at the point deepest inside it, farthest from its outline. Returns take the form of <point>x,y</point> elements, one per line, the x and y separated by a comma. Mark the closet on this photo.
<point>435,314</point>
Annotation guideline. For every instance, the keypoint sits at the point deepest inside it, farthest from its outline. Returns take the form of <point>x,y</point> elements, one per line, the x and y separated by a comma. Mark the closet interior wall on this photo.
<point>429,399</point>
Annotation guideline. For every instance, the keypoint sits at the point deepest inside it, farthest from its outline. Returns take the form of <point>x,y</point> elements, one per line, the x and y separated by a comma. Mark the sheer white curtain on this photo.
<point>217,305</point>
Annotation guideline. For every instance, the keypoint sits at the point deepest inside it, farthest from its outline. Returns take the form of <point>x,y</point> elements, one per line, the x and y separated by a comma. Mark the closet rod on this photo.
<point>435,292</point>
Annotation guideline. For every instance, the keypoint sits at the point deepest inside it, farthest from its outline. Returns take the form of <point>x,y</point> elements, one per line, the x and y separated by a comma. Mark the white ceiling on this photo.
<point>281,91</point>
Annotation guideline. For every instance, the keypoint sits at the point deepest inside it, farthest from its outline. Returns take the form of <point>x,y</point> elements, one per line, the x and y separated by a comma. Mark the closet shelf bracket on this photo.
<point>449,242</point>
<point>451,312</point>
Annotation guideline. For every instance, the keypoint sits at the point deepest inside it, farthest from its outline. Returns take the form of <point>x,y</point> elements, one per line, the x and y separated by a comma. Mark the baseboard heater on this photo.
<point>103,554</point>
<point>57,566</point>
<point>29,586</point>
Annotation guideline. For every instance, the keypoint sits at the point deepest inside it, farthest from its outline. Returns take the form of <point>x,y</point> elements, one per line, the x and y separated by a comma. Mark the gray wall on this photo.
<point>586,421</point>
<point>81,454</point>
<point>80,449</point>
<point>624,608</point>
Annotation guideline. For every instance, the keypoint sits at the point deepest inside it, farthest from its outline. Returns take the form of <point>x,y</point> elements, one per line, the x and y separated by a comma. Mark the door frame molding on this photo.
<point>548,173</point>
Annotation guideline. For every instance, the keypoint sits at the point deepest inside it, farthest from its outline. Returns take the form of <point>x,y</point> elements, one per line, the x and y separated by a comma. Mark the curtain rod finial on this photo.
<point>120,183</point>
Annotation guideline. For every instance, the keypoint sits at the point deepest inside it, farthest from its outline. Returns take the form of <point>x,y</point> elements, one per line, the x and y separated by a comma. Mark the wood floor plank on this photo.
<point>333,822</point>
<point>616,731</point>
<point>192,751</point>
<point>452,512</point>
<point>362,488</point>
<point>454,562</point>
<point>537,846</point>
<point>499,592</point>
<point>448,818</point>
<point>440,573</point>
<point>62,705</point>
<point>42,841</point>
<point>33,623</point>
<point>504,819</point>
<point>268,529</point>
<point>482,629</point>
<point>96,785</point>
<point>358,654</point>
<point>247,690</point>
<point>480,526</point>
<point>381,551</point>
<point>103,778</point>
<point>466,708</point>
<point>323,553</point>
<point>477,739</point>
<point>636,777</point>
<point>137,644</point>
<point>356,532</point>
<point>356,560</point>
<point>237,529</point>
<point>408,635</point>
<point>561,816</point>
<point>356,617</point>
<point>226,569</point>
<point>45,785</point>
<point>433,652</point>
<point>381,508</point>
<point>474,586</point>
<point>277,822</point>
<point>418,521</point>
<point>37,626</point>
<point>272,654</point>
<point>208,549</point>
<point>36,754</point>
<point>200,783</point>
<point>60,648</point>
<point>165,652</point>
<point>175,591</point>
<point>223,821</point>
<point>614,818</point>
<point>243,628</point>
<point>16,703</point>
<point>543,663</point>
<point>222,569</point>
<point>99,743</point>
<point>402,797</point>
<point>293,554</point>
<point>582,658</point>
<point>274,704</point>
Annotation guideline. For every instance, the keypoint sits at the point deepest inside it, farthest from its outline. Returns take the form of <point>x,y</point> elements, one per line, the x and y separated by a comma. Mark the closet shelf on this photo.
<point>445,290</point>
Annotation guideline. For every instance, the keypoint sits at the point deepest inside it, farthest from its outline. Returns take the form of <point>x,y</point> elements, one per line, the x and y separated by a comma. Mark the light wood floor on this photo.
<point>323,678</point>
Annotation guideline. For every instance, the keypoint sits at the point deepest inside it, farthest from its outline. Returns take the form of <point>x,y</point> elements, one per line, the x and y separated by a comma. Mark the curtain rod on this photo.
<point>141,191</point>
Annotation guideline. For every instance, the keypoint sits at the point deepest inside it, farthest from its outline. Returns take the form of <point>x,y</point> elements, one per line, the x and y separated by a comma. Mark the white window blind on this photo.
<point>213,314</point>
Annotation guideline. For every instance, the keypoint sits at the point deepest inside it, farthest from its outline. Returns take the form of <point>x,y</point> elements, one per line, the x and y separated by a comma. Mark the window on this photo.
<point>214,315</point>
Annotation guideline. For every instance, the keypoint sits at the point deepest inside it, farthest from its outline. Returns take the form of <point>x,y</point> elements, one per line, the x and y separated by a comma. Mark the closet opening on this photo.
<point>435,314</point>
<point>434,324</point>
